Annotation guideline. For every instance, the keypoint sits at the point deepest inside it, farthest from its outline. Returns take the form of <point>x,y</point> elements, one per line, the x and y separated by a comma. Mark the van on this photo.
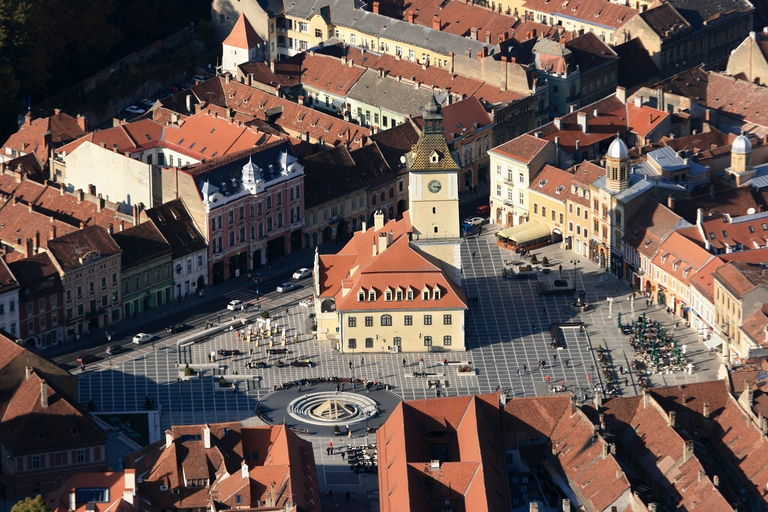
<point>484,210</point>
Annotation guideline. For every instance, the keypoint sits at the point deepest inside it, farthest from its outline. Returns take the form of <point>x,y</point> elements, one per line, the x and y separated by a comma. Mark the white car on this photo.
<point>474,221</point>
<point>133,109</point>
<point>142,338</point>
<point>302,273</point>
<point>234,305</point>
<point>287,287</point>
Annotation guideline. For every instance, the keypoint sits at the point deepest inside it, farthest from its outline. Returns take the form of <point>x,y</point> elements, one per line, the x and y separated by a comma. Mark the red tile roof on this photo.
<point>740,98</point>
<point>116,483</point>
<point>741,277</point>
<point>30,138</point>
<point>650,225</point>
<point>355,268</point>
<point>553,183</point>
<point>523,149</point>
<point>243,35</point>
<point>754,327</point>
<point>681,258</point>
<point>328,73</point>
<point>466,116</point>
<point>462,19</point>
<point>726,233</point>
<point>591,12</point>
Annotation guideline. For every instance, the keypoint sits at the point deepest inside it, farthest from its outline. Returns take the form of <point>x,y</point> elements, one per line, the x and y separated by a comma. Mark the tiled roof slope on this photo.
<point>552,182</point>
<point>28,426</point>
<point>665,20</point>
<point>31,136</point>
<point>177,227</point>
<point>733,201</point>
<point>461,19</point>
<point>330,174</point>
<point>739,98</point>
<point>704,279</point>
<point>754,326</point>
<point>396,142</point>
<point>243,35</point>
<point>723,232</point>
<point>116,482</point>
<point>468,429</point>
<point>680,257</point>
<point>700,13</point>
<point>741,277</point>
<point>523,149</point>
<point>71,250</point>
<point>650,226</point>
<point>141,243</point>
<point>461,117</point>
<point>593,12</point>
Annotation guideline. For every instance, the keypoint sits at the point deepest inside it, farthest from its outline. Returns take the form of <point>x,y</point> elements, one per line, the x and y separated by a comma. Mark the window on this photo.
<point>352,343</point>
<point>446,341</point>
<point>535,208</point>
<point>409,295</point>
<point>521,198</point>
<point>544,211</point>
<point>447,319</point>
<point>427,341</point>
<point>352,321</point>
<point>318,33</point>
<point>352,39</point>
<point>521,178</point>
<point>552,215</point>
<point>80,456</point>
<point>368,342</point>
<point>425,295</point>
<point>386,320</point>
<point>399,295</point>
<point>408,320</point>
<point>397,341</point>
<point>427,319</point>
<point>388,295</point>
<point>561,219</point>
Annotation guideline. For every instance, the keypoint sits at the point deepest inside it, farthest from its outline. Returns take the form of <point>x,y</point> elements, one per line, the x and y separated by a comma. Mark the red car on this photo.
<point>85,359</point>
<point>484,210</point>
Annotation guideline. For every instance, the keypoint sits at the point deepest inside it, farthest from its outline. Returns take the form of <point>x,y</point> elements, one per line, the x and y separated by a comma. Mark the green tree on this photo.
<point>36,504</point>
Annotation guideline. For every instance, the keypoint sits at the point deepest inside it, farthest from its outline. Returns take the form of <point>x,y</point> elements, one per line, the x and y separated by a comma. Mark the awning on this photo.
<point>508,232</point>
<point>337,103</point>
<point>532,233</point>
<point>713,342</point>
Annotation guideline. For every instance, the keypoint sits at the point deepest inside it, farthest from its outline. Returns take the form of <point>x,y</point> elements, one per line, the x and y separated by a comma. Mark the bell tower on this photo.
<point>433,193</point>
<point>617,166</point>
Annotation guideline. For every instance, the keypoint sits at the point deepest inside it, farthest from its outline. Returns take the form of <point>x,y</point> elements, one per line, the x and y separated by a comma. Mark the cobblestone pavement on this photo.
<point>508,333</point>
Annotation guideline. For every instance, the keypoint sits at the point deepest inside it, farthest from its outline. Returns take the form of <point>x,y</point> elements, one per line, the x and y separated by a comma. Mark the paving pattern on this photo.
<point>508,334</point>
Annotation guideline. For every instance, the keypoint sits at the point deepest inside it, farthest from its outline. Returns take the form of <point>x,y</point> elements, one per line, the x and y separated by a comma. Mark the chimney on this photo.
<point>533,506</point>
<point>37,240</point>
<point>558,123</point>
<point>81,122</point>
<point>92,190</point>
<point>716,481</point>
<point>43,395</point>
<point>79,193</point>
<point>671,202</point>
<point>100,204</point>
<point>602,422</point>
<point>745,399</point>
<point>363,227</point>
<point>646,399</point>
<point>301,99</point>
<point>621,94</point>
<point>473,33</point>
<point>581,118</point>
<point>206,436</point>
<point>436,22</point>
<point>651,507</point>
<point>378,220</point>
<point>606,449</point>
<point>410,15</point>
<point>272,65</point>
<point>687,449</point>
<point>29,248</point>
<point>189,103</point>
<point>705,410</point>
<point>702,475</point>
<point>375,7</point>
<point>27,371</point>
<point>129,485</point>
<point>672,419</point>
<point>598,400</point>
<point>72,500</point>
<point>566,505</point>
<point>168,438</point>
<point>28,118</point>
<point>638,101</point>
<point>244,467</point>
<point>382,242</point>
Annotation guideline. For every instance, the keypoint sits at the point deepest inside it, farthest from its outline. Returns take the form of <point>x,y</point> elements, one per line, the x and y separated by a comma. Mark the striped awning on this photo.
<point>535,232</point>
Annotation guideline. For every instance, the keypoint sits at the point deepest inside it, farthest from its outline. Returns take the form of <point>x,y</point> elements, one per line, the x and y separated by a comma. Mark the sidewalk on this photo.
<point>212,298</point>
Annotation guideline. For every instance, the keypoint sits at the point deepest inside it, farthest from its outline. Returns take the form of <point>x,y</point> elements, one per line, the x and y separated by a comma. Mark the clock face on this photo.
<point>434,186</point>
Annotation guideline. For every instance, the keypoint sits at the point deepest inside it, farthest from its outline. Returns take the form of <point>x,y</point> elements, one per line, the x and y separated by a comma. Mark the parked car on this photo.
<point>302,273</point>
<point>147,102</point>
<point>142,338</point>
<point>229,352</point>
<point>85,359</point>
<point>133,109</point>
<point>234,305</point>
<point>287,287</point>
<point>173,329</point>
<point>484,210</point>
<point>475,221</point>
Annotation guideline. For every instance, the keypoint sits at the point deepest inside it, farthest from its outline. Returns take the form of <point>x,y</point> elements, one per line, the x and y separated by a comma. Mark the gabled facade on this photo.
<point>41,301</point>
<point>243,45</point>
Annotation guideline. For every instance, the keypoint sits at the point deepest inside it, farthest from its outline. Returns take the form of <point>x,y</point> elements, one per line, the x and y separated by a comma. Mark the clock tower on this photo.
<point>433,192</point>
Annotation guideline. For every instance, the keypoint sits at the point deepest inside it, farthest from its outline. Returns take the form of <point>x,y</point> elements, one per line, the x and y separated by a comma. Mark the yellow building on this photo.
<point>395,287</point>
<point>548,194</point>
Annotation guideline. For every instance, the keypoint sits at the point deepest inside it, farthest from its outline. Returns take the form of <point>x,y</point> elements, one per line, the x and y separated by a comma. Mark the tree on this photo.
<point>36,504</point>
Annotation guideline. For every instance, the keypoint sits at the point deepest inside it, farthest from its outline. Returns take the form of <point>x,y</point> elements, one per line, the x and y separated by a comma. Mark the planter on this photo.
<point>465,370</point>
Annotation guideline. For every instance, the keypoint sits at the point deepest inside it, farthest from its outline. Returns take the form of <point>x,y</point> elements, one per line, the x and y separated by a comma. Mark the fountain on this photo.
<point>580,305</point>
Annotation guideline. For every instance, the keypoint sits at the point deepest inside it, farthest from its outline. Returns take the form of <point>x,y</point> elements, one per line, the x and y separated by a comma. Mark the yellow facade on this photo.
<point>578,224</point>
<point>729,318</point>
<point>548,211</point>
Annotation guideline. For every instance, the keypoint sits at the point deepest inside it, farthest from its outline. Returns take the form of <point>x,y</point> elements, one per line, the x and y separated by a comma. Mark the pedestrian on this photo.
<point>517,372</point>
<point>525,368</point>
<point>342,387</point>
<point>343,455</point>
<point>330,493</point>
<point>349,434</point>
<point>330,447</point>
<point>337,388</point>
<point>347,496</point>
<point>626,382</point>
<point>544,310</point>
<point>554,358</point>
<point>350,365</point>
<point>560,269</point>
<point>362,361</point>
<point>547,379</point>
<point>533,327</point>
<point>473,254</point>
<point>218,317</point>
<point>567,363</point>
<point>404,363</point>
<point>328,450</point>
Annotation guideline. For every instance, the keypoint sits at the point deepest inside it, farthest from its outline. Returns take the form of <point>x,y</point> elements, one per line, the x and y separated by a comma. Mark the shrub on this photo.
<point>336,430</point>
<point>265,314</point>
<point>464,368</point>
<point>188,372</point>
<point>534,259</point>
<point>544,261</point>
<point>222,382</point>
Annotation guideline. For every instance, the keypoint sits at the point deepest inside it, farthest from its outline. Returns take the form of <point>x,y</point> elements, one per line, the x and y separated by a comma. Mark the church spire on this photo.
<point>433,116</point>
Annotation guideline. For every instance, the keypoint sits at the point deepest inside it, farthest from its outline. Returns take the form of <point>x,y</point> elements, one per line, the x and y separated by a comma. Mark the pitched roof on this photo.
<point>723,232</point>
<point>665,20</point>
<point>397,142</point>
<point>461,117</point>
<point>652,223</point>
<point>330,174</point>
<point>681,257</point>
<point>589,51</point>
<point>552,182</point>
<point>739,98</point>
<point>177,227</point>
<point>732,201</point>
<point>701,13</point>
<point>27,426</point>
<point>741,277</point>
<point>636,66</point>
<point>141,243</point>
<point>243,35</point>
<point>31,136</point>
<point>81,483</point>
<point>754,326</point>
<point>523,148</point>
<point>592,12</point>
<point>74,249</point>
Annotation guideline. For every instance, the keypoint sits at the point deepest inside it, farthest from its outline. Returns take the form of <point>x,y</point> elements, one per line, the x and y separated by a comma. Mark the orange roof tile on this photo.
<point>552,182</point>
<point>523,149</point>
<point>243,35</point>
<point>681,258</point>
<point>592,12</point>
<point>31,135</point>
<point>115,482</point>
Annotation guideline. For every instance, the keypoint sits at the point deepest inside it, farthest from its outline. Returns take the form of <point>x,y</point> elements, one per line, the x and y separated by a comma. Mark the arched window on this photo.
<point>386,320</point>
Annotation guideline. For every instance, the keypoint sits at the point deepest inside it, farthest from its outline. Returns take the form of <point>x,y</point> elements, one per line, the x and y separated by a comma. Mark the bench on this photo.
<point>278,351</point>
<point>302,364</point>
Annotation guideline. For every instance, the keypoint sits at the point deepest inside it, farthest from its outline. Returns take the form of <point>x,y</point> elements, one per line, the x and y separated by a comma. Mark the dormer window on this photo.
<point>586,194</point>
<point>409,294</point>
<point>425,293</point>
<point>372,295</point>
<point>398,294</point>
<point>664,258</point>
<point>675,265</point>
<point>388,295</point>
<point>436,293</point>
<point>361,296</point>
<point>686,272</point>
<point>573,189</point>
<point>434,157</point>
